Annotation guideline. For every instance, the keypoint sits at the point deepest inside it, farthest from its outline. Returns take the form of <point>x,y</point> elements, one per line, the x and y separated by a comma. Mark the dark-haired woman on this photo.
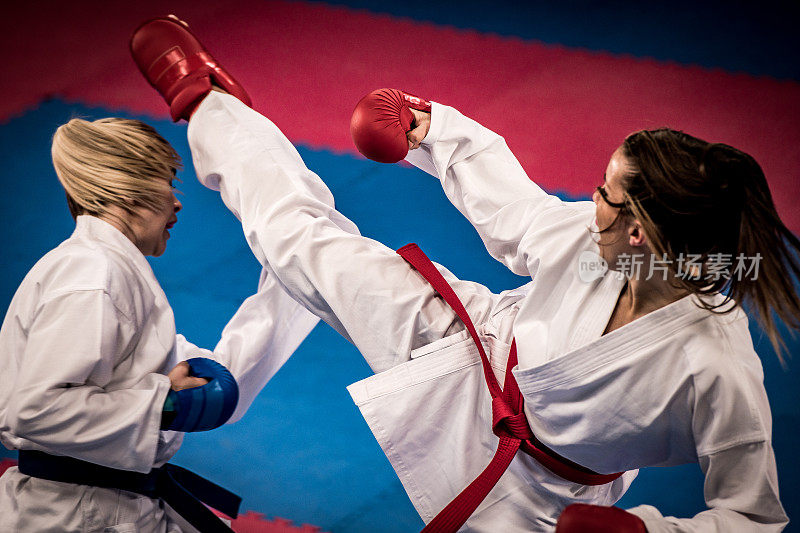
<point>617,372</point>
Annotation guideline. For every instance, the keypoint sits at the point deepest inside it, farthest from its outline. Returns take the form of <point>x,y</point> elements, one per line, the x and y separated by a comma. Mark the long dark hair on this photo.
<point>712,201</point>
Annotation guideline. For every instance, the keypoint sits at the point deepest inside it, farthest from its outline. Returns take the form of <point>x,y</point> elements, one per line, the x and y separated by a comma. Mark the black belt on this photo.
<point>184,491</point>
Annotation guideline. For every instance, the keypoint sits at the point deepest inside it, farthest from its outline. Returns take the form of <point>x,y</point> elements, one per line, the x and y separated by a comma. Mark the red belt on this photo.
<point>508,418</point>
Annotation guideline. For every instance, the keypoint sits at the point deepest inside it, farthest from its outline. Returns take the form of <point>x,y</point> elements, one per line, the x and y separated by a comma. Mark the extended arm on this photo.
<point>262,335</point>
<point>741,491</point>
<point>515,218</point>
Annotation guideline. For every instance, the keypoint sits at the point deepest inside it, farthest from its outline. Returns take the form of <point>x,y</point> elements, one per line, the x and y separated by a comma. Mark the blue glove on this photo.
<point>206,407</point>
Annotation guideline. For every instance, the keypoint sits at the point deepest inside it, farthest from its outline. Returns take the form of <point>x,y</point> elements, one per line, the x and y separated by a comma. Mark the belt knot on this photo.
<point>505,422</point>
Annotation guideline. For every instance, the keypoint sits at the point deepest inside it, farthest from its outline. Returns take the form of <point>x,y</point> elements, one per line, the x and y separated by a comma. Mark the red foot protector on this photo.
<point>380,122</point>
<point>180,68</point>
<point>580,517</point>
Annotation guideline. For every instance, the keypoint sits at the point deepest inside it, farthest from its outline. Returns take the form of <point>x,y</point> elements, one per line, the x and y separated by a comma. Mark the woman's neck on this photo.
<point>122,220</point>
<point>648,295</point>
<point>640,297</point>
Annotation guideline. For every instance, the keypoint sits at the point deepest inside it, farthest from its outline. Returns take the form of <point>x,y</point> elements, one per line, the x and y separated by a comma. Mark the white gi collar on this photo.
<point>98,230</point>
<point>629,340</point>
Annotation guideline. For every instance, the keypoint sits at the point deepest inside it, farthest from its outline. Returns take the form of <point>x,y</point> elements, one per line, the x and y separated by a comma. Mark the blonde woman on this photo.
<point>92,373</point>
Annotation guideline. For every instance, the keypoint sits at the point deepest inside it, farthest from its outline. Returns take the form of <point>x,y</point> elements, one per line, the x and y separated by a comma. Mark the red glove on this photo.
<point>580,518</point>
<point>380,122</point>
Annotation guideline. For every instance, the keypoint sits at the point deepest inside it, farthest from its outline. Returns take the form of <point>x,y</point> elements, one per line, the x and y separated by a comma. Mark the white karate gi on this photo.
<point>84,351</point>
<point>678,385</point>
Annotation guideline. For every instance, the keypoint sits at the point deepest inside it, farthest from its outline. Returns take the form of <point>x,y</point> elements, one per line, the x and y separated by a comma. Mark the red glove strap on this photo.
<point>416,102</point>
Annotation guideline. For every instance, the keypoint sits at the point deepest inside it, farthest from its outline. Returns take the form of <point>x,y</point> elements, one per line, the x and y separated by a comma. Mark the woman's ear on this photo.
<point>636,236</point>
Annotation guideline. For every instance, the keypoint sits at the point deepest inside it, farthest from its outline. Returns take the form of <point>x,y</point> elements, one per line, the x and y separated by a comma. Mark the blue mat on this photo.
<point>303,451</point>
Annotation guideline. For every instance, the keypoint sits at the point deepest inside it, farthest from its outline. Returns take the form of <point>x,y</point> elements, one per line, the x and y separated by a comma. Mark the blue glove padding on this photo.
<point>206,407</point>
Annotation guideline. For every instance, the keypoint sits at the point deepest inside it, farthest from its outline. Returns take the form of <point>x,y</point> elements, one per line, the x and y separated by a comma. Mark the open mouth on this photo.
<point>170,224</point>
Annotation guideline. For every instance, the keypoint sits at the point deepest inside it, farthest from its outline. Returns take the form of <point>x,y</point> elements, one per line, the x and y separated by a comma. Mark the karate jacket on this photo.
<point>84,351</point>
<point>678,385</point>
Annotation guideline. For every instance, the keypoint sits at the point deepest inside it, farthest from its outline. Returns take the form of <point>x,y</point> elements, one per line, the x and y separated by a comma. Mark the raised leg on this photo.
<point>357,285</point>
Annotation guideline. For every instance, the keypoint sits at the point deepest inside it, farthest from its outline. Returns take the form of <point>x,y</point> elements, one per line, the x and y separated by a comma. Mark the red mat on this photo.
<point>5,464</point>
<point>562,111</point>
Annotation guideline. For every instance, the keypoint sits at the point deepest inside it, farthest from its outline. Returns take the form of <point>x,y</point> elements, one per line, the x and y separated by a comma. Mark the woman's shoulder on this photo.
<point>564,231</point>
<point>720,347</point>
<point>76,264</point>
<point>721,338</point>
<point>79,264</point>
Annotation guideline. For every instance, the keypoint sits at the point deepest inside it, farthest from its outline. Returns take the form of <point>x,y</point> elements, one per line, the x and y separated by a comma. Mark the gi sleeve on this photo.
<point>262,335</point>
<point>741,491</point>
<point>486,183</point>
<point>63,400</point>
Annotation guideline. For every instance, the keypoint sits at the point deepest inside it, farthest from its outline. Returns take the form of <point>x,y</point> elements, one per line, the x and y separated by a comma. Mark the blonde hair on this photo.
<point>112,162</point>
